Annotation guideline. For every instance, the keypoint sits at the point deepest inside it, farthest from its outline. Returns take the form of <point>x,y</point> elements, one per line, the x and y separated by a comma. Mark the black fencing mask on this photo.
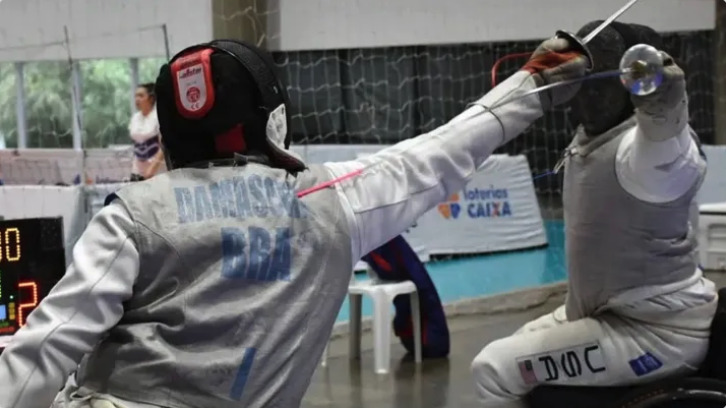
<point>602,104</point>
<point>220,99</point>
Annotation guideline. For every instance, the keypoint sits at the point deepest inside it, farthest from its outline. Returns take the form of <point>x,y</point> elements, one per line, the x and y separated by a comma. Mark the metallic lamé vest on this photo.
<point>614,241</point>
<point>239,286</point>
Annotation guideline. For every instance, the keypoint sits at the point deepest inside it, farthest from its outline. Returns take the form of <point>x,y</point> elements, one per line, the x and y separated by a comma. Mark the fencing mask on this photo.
<point>603,104</point>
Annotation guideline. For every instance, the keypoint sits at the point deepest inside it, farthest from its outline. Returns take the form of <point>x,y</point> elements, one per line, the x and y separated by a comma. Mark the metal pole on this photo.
<point>720,75</point>
<point>134,63</point>
<point>77,106</point>
<point>75,95</point>
<point>21,118</point>
<point>166,41</point>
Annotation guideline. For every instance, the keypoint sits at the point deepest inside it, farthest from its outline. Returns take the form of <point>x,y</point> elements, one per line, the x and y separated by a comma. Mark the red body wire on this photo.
<point>495,67</point>
<point>328,183</point>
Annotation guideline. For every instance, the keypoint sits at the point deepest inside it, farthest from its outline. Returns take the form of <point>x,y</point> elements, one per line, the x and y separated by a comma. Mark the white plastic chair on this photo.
<point>382,293</point>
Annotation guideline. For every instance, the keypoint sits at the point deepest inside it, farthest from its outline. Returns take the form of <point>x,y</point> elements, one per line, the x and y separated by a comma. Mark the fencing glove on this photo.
<point>664,113</point>
<point>554,61</point>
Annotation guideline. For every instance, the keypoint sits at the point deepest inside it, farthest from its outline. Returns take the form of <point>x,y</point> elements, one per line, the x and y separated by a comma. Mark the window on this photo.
<point>8,120</point>
<point>48,104</point>
<point>149,69</point>
<point>106,102</point>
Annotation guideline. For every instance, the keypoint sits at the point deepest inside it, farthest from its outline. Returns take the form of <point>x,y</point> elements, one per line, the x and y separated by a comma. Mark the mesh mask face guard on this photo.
<point>603,104</point>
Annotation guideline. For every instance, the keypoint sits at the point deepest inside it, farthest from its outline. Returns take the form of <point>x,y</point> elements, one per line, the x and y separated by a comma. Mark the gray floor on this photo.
<point>435,383</point>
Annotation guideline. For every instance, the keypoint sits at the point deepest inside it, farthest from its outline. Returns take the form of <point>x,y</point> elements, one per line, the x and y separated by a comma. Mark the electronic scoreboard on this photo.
<point>32,261</point>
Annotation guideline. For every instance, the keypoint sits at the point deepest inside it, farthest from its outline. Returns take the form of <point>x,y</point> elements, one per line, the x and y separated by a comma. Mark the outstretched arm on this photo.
<point>69,322</point>
<point>402,182</point>
<point>660,161</point>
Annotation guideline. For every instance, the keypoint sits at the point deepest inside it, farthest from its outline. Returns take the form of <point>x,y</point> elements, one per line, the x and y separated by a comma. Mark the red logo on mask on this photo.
<point>193,94</point>
<point>193,83</point>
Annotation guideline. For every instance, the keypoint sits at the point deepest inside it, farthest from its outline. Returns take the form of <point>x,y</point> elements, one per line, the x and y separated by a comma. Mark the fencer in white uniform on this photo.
<point>638,308</point>
<point>213,285</point>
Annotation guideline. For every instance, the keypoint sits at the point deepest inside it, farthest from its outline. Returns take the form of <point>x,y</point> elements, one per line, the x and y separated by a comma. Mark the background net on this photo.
<point>381,96</point>
<point>345,96</point>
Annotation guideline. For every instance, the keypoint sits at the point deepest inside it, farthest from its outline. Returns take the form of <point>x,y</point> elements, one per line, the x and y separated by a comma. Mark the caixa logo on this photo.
<point>478,203</point>
<point>451,208</point>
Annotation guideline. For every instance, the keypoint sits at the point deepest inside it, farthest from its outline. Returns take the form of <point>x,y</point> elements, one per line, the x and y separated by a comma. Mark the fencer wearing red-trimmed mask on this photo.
<point>217,284</point>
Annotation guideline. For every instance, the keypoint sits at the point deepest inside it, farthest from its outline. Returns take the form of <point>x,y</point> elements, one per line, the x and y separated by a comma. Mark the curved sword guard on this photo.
<point>577,43</point>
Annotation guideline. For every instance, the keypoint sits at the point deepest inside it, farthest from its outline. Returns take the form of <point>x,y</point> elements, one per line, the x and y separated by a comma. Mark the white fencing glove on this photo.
<point>553,61</point>
<point>664,113</point>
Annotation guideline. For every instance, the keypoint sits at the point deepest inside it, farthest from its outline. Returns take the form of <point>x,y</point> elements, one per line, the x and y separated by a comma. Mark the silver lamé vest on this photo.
<point>614,241</point>
<point>240,284</point>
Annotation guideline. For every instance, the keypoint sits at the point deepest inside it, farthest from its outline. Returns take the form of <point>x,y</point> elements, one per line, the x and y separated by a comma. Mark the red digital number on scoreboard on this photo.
<point>29,299</point>
<point>24,308</point>
<point>32,261</point>
<point>27,290</point>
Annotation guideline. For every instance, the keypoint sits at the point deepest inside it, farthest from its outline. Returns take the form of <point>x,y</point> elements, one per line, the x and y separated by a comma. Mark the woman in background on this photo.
<point>144,131</point>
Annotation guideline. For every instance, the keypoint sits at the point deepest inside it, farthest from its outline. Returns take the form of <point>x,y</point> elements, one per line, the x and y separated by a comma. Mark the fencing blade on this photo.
<point>609,21</point>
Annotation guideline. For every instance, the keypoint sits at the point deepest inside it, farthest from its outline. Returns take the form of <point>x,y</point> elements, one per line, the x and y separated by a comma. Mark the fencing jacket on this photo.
<point>177,311</point>
<point>628,196</point>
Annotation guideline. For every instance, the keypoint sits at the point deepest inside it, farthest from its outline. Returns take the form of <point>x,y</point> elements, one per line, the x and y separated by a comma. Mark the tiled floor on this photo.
<point>440,383</point>
<point>434,384</point>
